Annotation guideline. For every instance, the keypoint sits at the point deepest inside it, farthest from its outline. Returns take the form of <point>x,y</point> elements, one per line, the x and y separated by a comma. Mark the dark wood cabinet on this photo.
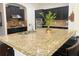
<point>14,10</point>
<point>11,10</point>
<point>37,13</point>
<point>8,14</point>
<point>61,12</point>
<point>62,51</point>
<point>6,50</point>
<point>21,13</point>
<point>16,15</point>
<point>15,30</point>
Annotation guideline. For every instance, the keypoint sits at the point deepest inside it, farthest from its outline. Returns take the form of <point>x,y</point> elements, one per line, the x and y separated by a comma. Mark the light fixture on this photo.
<point>16,16</point>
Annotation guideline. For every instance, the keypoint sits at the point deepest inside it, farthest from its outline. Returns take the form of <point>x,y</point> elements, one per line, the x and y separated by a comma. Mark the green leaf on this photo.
<point>49,17</point>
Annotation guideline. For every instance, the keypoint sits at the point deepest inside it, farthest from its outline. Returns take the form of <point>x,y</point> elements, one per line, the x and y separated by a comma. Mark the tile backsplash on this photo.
<point>14,22</point>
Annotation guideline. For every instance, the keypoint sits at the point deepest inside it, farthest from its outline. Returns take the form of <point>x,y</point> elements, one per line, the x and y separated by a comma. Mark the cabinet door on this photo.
<point>10,51</point>
<point>54,10</point>
<point>65,12</point>
<point>12,10</point>
<point>37,13</point>
<point>21,13</point>
<point>3,50</point>
<point>61,13</point>
<point>8,14</point>
<point>6,50</point>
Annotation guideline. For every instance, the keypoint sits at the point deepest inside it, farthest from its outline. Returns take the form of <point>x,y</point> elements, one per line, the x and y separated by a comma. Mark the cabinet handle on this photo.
<point>8,48</point>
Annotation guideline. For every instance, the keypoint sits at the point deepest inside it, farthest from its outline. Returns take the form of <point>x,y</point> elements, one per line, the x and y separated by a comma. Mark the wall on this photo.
<point>2,28</point>
<point>29,15</point>
<point>74,25</point>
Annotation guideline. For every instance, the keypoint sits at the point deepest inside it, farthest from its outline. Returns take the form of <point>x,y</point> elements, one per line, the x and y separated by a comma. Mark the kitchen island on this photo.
<point>38,42</point>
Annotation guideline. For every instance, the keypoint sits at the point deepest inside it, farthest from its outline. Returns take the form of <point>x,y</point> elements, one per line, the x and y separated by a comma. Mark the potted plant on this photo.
<point>49,19</point>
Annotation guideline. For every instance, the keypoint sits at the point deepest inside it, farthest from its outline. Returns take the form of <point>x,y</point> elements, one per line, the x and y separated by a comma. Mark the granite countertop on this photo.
<point>39,42</point>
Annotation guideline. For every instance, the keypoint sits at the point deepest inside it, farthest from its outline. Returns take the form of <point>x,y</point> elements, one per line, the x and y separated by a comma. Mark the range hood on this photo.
<point>16,16</point>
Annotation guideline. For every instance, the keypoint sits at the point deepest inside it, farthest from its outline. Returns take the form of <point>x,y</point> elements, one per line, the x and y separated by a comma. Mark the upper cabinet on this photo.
<point>61,12</point>
<point>0,18</point>
<point>37,13</point>
<point>14,11</point>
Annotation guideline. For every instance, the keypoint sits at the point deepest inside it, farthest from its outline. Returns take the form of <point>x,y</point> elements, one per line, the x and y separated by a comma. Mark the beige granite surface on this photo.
<point>38,43</point>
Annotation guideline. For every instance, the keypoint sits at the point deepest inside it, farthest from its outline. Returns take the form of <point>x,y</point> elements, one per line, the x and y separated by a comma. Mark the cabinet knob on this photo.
<point>8,48</point>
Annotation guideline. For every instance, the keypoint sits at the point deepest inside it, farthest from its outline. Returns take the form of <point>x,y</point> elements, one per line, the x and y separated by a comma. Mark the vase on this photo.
<point>48,29</point>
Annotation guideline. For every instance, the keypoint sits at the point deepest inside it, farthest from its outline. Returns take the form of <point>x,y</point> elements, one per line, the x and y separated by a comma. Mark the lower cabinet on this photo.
<point>15,30</point>
<point>6,50</point>
<point>62,51</point>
